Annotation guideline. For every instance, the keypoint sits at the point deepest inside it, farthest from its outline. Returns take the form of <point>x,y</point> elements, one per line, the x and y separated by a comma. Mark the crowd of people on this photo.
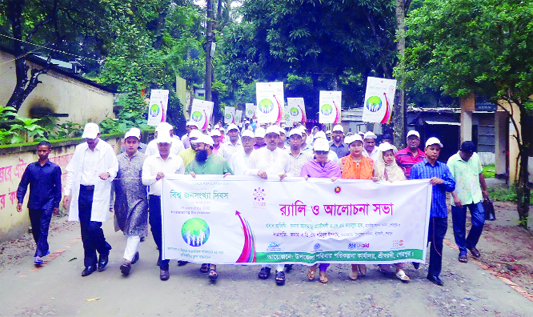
<point>98,181</point>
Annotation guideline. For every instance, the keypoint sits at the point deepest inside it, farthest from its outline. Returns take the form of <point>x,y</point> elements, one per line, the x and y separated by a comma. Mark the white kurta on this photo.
<point>274,163</point>
<point>238,162</point>
<point>227,149</point>
<point>175,148</point>
<point>107,162</point>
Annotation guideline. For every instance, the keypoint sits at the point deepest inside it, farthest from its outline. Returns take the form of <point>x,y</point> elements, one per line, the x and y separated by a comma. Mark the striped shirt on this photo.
<point>405,160</point>
<point>424,170</point>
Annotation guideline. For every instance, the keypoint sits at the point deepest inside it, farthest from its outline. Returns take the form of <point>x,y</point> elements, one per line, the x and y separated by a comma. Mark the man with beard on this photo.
<point>131,202</point>
<point>298,158</point>
<point>370,149</point>
<point>90,172</point>
<point>234,145</point>
<point>44,178</point>
<point>154,169</point>
<point>206,162</point>
<point>337,145</point>
<point>270,161</point>
<point>188,155</point>
<point>238,160</point>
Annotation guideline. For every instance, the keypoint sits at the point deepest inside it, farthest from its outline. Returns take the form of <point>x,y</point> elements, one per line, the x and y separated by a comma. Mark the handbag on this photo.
<point>489,210</point>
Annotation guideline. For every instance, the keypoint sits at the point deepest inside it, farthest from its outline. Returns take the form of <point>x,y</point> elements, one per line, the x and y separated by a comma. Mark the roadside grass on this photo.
<point>489,171</point>
<point>504,193</point>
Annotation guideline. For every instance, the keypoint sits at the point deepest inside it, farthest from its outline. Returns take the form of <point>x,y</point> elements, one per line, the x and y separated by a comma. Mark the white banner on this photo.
<point>201,112</point>
<point>242,219</point>
<point>330,107</point>
<point>157,111</point>
<point>297,109</point>
<point>379,99</point>
<point>229,115</point>
<point>250,110</point>
<point>270,102</point>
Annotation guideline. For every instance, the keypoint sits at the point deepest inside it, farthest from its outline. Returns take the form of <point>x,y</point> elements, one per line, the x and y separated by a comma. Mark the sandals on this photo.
<point>362,269</point>
<point>182,263</point>
<point>280,278</point>
<point>475,252</point>
<point>354,275</point>
<point>400,274</point>
<point>323,278</point>
<point>213,275</point>
<point>264,273</point>
<point>311,273</point>
<point>463,258</point>
<point>288,267</point>
<point>204,268</point>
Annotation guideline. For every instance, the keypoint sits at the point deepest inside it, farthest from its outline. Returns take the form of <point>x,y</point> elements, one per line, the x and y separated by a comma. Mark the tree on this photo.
<point>483,47</point>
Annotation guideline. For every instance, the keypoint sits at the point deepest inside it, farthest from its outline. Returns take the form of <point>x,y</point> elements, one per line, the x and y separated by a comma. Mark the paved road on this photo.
<point>58,289</point>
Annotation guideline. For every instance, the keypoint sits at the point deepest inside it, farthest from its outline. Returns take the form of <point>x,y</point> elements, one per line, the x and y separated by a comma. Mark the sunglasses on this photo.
<point>322,152</point>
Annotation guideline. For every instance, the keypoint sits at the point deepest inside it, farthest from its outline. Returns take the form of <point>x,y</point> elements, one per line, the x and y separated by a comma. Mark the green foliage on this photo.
<point>504,193</point>
<point>15,129</point>
<point>489,171</point>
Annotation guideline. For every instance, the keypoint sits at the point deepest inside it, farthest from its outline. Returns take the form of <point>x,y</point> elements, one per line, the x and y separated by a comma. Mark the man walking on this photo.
<point>442,181</point>
<point>470,189</point>
<point>154,169</point>
<point>270,161</point>
<point>411,155</point>
<point>298,158</point>
<point>206,162</point>
<point>238,160</point>
<point>131,201</point>
<point>234,145</point>
<point>87,194</point>
<point>44,178</point>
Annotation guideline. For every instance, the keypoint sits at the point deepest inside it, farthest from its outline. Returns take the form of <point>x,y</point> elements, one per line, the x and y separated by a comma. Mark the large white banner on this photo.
<point>201,112</point>
<point>229,115</point>
<point>296,109</point>
<point>157,111</point>
<point>242,219</point>
<point>379,99</point>
<point>269,102</point>
<point>250,110</point>
<point>330,107</point>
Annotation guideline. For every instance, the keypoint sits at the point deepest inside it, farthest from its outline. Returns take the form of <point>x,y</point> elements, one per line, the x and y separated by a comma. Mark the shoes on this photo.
<point>182,263</point>
<point>135,258</point>
<point>403,277</point>
<point>435,279</point>
<point>280,278</point>
<point>164,275</point>
<point>125,269</point>
<point>288,267</point>
<point>38,261</point>
<point>416,265</point>
<point>88,270</point>
<point>102,262</point>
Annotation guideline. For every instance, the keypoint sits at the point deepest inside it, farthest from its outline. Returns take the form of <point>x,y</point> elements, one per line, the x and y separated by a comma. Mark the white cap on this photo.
<point>352,138</point>
<point>361,133</point>
<point>282,130</point>
<point>248,133</point>
<point>163,137</point>
<point>163,126</point>
<point>413,132</point>
<point>320,135</point>
<point>233,127</point>
<point>195,134</point>
<point>272,129</point>
<point>328,132</point>
<point>432,141</point>
<point>90,131</point>
<point>370,135</point>
<point>384,147</point>
<point>135,132</point>
<point>321,145</point>
<point>303,130</point>
<point>338,127</point>
<point>205,139</point>
<point>260,132</point>
<point>295,131</point>
<point>215,132</point>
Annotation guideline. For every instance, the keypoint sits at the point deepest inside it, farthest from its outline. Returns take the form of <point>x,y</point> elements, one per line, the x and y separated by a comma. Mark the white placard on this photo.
<point>157,109</point>
<point>201,112</point>
<point>229,115</point>
<point>297,109</point>
<point>250,110</point>
<point>270,102</point>
<point>379,99</point>
<point>330,107</point>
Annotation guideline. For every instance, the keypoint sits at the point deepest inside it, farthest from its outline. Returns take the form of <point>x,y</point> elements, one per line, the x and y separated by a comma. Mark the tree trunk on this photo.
<point>523,192</point>
<point>398,113</point>
<point>210,38</point>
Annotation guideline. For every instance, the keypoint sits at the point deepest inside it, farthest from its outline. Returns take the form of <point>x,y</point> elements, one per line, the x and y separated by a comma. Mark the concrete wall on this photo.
<point>60,93</point>
<point>13,162</point>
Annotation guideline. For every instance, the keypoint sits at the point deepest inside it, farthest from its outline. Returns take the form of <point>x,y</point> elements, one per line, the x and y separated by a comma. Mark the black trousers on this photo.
<point>40,222</point>
<point>157,228</point>
<point>92,234</point>
<point>437,231</point>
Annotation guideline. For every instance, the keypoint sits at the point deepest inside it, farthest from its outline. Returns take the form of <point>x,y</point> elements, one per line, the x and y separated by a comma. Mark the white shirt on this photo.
<point>155,164</point>
<point>175,148</point>
<point>227,149</point>
<point>89,168</point>
<point>238,162</point>
<point>297,162</point>
<point>274,163</point>
<point>374,155</point>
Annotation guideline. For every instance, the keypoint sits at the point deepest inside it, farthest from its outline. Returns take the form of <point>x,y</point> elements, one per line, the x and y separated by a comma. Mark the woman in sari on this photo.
<point>320,167</point>
<point>356,166</point>
<point>386,169</point>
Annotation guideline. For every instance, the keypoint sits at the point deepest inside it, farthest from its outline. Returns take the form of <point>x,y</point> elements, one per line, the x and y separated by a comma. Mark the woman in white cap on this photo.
<point>356,166</point>
<point>386,169</point>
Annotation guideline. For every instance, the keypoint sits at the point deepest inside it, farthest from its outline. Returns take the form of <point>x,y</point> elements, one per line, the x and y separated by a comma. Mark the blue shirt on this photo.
<point>425,170</point>
<point>45,185</point>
